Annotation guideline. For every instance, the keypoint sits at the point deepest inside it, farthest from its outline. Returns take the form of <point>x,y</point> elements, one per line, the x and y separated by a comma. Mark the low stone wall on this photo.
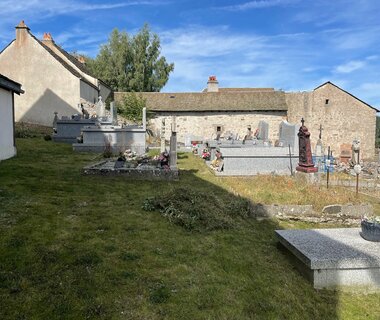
<point>348,214</point>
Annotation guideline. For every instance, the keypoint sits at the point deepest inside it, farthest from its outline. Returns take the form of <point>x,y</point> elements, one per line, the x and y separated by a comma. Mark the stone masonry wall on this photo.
<point>204,124</point>
<point>343,118</point>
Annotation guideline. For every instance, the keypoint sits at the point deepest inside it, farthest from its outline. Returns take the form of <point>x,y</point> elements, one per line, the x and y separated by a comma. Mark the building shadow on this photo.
<point>42,111</point>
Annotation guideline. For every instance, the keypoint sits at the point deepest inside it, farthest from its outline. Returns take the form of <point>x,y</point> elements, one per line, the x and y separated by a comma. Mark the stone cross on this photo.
<point>320,131</point>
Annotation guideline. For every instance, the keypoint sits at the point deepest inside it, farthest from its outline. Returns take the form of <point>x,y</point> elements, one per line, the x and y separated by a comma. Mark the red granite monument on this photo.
<point>305,159</point>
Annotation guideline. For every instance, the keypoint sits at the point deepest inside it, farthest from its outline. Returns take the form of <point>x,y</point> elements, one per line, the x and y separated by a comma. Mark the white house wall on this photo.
<point>7,148</point>
<point>48,85</point>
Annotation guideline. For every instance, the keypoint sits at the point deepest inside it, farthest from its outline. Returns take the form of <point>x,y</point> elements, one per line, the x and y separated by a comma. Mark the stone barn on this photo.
<point>343,117</point>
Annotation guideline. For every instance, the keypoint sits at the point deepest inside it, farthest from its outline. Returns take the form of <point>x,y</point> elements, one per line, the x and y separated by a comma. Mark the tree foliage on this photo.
<point>132,107</point>
<point>132,63</point>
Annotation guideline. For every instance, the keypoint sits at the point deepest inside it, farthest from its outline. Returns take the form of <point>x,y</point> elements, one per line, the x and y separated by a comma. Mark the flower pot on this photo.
<point>370,231</point>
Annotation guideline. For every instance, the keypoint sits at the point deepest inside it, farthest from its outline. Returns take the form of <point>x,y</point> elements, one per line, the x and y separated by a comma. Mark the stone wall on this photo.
<point>342,116</point>
<point>204,124</point>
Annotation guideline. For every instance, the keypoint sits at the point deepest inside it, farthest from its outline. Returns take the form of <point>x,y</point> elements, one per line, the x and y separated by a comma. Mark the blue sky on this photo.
<point>293,45</point>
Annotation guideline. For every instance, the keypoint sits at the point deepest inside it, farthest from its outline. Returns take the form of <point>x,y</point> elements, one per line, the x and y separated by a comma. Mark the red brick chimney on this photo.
<point>212,84</point>
<point>22,31</point>
<point>47,36</point>
<point>81,59</point>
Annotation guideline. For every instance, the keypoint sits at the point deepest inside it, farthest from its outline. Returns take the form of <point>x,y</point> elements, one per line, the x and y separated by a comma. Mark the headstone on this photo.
<point>319,148</point>
<point>162,135</point>
<point>319,155</point>
<point>55,120</point>
<point>100,109</point>
<point>144,119</point>
<point>288,134</point>
<point>113,110</point>
<point>263,131</point>
<point>305,158</point>
<point>173,145</point>
<point>345,152</point>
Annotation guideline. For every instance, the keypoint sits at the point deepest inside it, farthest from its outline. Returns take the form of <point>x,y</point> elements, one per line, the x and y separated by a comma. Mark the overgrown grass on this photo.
<point>82,247</point>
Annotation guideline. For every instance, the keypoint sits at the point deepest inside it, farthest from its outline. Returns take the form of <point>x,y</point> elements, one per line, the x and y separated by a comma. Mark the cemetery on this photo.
<point>219,204</point>
<point>194,220</point>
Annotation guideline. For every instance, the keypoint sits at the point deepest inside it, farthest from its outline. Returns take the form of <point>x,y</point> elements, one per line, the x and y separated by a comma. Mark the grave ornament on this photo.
<point>305,158</point>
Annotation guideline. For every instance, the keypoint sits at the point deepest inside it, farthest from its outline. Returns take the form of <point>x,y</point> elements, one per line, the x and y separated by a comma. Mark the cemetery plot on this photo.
<point>334,257</point>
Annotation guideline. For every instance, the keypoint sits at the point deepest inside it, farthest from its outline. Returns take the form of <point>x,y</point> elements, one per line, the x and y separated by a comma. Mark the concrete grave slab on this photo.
<point>334,257</point>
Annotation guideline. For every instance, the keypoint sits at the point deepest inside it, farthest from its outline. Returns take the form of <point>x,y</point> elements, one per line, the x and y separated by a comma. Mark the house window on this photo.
<point>327,101</point>
<point>218,128</point>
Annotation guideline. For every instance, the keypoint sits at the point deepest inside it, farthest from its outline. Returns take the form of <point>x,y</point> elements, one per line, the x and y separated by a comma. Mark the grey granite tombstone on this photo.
<point>263,130</point>
<point>334,257</point>
<point>113,110</point>
<point>100,109</point>
<point>245,161</point>
<point>288,135</point>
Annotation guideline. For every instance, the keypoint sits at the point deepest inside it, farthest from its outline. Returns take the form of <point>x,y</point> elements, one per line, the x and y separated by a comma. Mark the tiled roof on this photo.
<point>214,101</point>
<point>72,59</point>
<point>241,89</point>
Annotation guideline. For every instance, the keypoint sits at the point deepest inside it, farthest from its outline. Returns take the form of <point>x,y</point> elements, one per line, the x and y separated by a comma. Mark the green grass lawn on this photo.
<point>82,247</point>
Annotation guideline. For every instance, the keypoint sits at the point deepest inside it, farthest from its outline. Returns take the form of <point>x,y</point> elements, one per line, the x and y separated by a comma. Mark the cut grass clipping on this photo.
<point>198,211</point>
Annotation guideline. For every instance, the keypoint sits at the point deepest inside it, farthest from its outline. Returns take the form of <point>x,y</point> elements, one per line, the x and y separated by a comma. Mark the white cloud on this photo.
<point>246,60</point>
<point>259,4</point>
<point>350,66</point>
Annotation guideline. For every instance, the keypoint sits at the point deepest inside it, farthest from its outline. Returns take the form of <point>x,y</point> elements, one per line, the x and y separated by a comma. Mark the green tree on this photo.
<point>132,107</point>
<point>132,63</point>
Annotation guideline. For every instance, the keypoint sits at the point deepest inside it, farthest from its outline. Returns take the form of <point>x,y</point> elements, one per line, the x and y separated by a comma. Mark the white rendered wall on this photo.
<point>7,149</point>
<point>48,85</point>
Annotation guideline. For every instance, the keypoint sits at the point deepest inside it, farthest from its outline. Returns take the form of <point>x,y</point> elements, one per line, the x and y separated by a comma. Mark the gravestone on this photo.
<point>100,109</point>
<point>305,158</point>
<point>345,152</point>
<point>113,110</point>
<point>55,120</point>
<point>334,257</point>
<point>263,131</point>
<point>173,145</point>
<point>162,135</point>
<point>288,135</point>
